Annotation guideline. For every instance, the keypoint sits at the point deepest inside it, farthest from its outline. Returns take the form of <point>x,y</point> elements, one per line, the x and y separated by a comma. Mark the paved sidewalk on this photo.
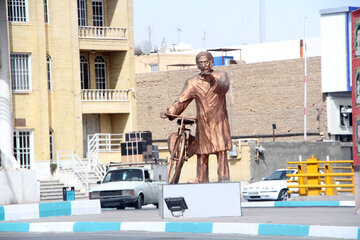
<point>324,216</point>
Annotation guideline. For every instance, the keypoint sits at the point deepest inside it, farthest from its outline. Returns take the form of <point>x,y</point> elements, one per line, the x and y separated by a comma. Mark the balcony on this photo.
<point>102,33</point>
<point>103,38</point>
<point>106,100</point>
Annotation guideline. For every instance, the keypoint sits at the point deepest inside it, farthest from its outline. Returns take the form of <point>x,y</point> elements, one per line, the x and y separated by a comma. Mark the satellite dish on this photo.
<point>142,48</point>
<point>156,49</point>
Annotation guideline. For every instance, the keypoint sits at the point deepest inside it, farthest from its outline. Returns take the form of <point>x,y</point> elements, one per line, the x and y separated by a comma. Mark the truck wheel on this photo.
<point>121,207</point>
<point>156,205</point>
<point>139,202</point>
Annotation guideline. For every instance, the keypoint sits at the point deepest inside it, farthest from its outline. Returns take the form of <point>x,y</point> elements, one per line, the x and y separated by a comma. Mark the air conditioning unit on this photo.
<point>233,152</point>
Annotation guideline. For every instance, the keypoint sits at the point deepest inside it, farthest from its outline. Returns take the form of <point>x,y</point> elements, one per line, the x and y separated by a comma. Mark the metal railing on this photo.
<point>102,142</point>
<point>91,32</point>
<point>99,142</point>
<point>105,142</point>
<point>69,160</point>
<point>97,166</point>
<point>101,95</point>
<point>314,177</point>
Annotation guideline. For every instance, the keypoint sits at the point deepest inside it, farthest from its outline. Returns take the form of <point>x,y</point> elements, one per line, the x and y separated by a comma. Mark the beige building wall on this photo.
<point>65,75</point>
<point>62,109</point>
<point>23,103</point>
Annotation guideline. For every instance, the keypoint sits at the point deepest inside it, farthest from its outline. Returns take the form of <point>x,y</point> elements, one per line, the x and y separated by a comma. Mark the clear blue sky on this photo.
<point>228,22</point>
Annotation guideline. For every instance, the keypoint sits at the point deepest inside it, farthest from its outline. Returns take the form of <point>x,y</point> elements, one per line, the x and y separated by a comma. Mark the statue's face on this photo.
<point>204,64</point>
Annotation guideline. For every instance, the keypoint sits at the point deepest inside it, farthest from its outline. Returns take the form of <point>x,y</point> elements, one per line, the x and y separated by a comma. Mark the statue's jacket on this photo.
<point>213,129</point>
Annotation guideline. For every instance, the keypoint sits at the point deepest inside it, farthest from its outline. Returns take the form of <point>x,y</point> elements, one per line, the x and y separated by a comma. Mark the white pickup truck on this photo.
<point>127,187</point>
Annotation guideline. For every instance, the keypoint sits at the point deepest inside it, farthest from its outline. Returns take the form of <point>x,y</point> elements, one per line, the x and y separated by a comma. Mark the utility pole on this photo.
<point>204,39</point>
<point>262,20</point>
<point>149,29</point>
<point>305,77</point>
<point>179,31</point>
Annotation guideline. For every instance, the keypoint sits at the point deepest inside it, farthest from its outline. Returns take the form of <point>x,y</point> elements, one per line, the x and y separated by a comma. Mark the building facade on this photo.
<point>72,75</point>
<point>164,62</point>
<point>336,70</point>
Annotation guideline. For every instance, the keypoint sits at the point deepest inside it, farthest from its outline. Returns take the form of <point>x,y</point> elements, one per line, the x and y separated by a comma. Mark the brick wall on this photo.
<point>260,94</point>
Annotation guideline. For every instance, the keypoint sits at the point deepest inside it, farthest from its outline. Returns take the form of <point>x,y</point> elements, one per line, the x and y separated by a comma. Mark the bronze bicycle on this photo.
<point>181,145</point>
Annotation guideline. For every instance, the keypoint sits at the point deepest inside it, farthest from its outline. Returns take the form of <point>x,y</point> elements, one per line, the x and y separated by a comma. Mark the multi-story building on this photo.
<point>72,74</point>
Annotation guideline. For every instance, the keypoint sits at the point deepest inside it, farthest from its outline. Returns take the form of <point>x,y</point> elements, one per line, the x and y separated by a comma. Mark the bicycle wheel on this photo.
<point>177,160</point>
<point>171,169</point>
<point>181,159</point>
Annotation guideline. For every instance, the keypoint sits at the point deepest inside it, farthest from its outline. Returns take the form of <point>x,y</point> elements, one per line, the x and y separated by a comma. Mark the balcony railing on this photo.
<point>102,32</point>
<point>101,95</point>
<point>105,142</point>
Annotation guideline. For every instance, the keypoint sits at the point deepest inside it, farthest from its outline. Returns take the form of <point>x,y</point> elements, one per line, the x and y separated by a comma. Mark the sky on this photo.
<point>228,22</point>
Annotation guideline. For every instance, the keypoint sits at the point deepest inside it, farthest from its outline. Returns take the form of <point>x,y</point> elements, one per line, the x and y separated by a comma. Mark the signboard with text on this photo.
<point>355,70</point>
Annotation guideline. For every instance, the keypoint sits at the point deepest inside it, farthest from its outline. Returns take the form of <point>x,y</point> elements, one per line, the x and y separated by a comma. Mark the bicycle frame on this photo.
<point>179,151</point>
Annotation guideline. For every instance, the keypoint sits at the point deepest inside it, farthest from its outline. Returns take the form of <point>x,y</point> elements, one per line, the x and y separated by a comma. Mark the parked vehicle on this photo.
<point>127,187</point>
<point>273,187</point>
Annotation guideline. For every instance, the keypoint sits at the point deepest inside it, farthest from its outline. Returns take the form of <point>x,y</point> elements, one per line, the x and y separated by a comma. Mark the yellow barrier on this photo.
<point>311,181</point>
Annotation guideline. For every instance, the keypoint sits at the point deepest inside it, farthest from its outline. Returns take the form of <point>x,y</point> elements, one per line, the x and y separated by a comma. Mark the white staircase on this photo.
<point>86,172</point>
<point>52,190</point>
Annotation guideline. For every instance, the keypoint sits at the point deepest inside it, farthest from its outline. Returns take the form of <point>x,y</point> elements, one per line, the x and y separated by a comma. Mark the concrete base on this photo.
<point>203,200</point>
<point>18,186</point>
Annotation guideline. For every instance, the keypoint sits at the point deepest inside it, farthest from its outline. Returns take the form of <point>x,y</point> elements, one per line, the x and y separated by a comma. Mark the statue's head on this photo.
<point>204,61</point>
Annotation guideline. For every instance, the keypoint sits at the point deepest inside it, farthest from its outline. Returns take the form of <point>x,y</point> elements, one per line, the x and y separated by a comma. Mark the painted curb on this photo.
<point>299,204</point>
<point>189,227</point>
<point>53,209</point>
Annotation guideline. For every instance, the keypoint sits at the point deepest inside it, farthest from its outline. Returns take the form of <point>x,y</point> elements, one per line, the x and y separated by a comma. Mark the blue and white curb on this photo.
<point>299,204</point>
<point>53,209</point>
<point>189,227</point>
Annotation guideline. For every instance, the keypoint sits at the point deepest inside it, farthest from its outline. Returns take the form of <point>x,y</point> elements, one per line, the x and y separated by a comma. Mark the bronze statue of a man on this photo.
<point>208,88</point>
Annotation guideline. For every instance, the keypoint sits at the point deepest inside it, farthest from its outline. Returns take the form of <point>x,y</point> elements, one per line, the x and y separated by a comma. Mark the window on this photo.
<point>20,72</point>
<point>100,72</point>
<point>154,67</point>
<point>82,12</point>
<point>84,72</point>
<point>48,69</point>
<point>98,13</point>
<point>46,11</point>
<point>22,148</point>
<point>17,10</point>
<point>51,140</point>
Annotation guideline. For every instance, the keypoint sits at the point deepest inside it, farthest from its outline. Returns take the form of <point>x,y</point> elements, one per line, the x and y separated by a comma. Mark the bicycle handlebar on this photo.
<point>179,116</point>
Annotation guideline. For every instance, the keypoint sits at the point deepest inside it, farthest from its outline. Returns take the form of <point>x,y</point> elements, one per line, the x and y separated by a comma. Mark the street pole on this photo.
<point>305,78</point>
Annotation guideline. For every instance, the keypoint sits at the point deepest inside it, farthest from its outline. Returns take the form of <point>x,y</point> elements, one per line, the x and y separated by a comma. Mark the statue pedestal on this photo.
<point>18,186</point>
<point>202,200</point>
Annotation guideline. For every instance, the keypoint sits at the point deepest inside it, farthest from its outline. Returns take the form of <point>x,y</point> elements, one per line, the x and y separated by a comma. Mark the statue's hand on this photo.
<point>208,77</point>
<point>164,115</point>
<point>168,115</point>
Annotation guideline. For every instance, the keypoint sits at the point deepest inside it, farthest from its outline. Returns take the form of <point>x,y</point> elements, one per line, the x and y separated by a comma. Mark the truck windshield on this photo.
<point>124,175</point>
